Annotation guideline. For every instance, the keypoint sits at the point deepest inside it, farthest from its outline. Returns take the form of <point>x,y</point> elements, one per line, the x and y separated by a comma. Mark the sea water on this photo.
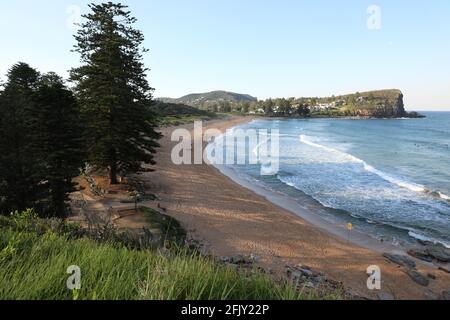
<point>389,177</point>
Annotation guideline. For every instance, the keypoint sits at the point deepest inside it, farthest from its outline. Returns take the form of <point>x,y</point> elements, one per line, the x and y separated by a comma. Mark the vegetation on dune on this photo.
<point>35,254</point>
<point>172,114</point>
<point>171,229</point>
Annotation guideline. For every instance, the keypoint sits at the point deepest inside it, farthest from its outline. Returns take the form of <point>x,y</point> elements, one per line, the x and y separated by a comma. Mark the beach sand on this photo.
<point>232,219</point>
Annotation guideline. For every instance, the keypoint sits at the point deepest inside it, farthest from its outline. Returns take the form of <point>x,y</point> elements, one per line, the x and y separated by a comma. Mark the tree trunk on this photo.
<point>58,199</point>
<point>113,174</point>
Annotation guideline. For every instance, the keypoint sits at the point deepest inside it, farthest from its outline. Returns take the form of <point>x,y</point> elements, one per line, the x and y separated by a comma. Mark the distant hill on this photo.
<point>211,98</point>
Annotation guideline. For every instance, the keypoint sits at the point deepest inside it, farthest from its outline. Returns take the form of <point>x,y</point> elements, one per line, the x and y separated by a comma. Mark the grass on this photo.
<point>35,254</point>
<point>171,229</point>
<point>174,114</point>
<point>169,121</point>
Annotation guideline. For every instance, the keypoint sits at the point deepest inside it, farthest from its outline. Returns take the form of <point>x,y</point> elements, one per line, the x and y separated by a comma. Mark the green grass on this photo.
<point>35,254</point>
<point>171,230</point>
<point>169,121</point>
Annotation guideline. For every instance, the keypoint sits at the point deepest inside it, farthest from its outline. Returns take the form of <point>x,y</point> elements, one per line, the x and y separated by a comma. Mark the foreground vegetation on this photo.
<point>35,254</point>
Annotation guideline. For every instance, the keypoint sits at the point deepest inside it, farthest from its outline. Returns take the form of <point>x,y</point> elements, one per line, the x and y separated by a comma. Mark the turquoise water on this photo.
<point>391,178</point>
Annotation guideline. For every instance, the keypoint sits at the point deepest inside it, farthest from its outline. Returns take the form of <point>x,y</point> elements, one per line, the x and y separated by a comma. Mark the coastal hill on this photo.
<point>370,104</point>
<point>210,98</point>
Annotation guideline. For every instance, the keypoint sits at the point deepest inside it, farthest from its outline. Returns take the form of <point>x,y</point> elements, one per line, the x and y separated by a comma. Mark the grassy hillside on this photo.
<point>35,254</point>
<point>176,113</point>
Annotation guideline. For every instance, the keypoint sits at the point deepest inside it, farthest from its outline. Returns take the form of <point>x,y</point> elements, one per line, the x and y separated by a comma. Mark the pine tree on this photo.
<point>19,170</point>
<point>114,94</point>
<point>57,142</point>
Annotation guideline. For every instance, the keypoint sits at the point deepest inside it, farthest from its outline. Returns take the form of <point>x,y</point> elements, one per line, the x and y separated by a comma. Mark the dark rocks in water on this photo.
<point>414,114</point>
<point>420,254</point>
<point>400,260</point>
<point>418,278</point>
<point>439,252</point>
<point>431,252</point>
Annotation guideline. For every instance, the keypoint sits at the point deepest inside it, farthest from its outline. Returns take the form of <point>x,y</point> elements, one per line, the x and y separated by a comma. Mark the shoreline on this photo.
<point>332,219</point>
<point>312,216</point>
<point>232,218</point>
<point>314,212</point>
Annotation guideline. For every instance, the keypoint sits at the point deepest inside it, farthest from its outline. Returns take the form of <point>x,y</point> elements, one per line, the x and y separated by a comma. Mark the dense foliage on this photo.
<point>49,132</point>
<point>113,91</point>
<point>40,142</point>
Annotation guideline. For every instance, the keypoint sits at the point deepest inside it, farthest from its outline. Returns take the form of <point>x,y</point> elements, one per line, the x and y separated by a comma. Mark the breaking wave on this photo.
<point>394,180</point>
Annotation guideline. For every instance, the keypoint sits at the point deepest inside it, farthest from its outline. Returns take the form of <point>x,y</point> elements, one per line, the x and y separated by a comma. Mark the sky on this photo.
<point>266,48</point>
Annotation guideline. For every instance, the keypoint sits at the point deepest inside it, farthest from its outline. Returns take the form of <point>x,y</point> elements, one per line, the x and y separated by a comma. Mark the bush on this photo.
<point>35,254</point>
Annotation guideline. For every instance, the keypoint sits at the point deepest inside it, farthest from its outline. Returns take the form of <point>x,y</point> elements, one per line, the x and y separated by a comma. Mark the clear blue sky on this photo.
<point>264,48</point>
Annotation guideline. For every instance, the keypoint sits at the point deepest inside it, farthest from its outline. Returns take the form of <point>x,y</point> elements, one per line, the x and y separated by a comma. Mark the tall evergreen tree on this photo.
<point>113,91</point>
<point>19,171</point>
<point>58,146</point>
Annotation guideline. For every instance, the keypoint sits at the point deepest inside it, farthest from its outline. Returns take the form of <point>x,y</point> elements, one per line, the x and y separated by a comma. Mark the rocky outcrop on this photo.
<point>400,260</point>
<point>430,252</point>
<point>409,267</point>
<point>380,104</point>
<point>370,104</point>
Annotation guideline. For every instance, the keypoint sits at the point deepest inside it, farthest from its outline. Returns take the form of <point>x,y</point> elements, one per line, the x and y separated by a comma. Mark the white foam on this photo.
<point>444,196</point>
<point>399,182</point>
<point>424,238</point>
<point>348,156</point>
<point>407,185</point>
<point>256,149</point>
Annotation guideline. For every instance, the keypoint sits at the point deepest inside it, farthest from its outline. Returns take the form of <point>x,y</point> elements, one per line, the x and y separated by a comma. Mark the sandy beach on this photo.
<point>232,219</point>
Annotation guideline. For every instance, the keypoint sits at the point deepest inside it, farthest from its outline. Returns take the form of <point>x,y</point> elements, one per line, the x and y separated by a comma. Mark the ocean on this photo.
<point>389,178</point>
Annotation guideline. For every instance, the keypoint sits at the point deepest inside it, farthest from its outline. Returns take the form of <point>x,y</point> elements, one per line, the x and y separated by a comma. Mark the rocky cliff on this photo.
<point>375,104</point>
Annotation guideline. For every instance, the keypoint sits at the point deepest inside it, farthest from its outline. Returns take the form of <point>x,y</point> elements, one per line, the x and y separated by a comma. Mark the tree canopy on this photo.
<point>113,91</point>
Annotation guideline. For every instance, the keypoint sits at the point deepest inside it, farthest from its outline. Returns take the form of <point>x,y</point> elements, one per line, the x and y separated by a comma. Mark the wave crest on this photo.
<point>394,180</point>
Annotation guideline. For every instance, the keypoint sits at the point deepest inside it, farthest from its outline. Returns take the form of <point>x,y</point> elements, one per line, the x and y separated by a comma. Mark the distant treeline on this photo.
<point>49,132</point>
<point>380,103</point>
